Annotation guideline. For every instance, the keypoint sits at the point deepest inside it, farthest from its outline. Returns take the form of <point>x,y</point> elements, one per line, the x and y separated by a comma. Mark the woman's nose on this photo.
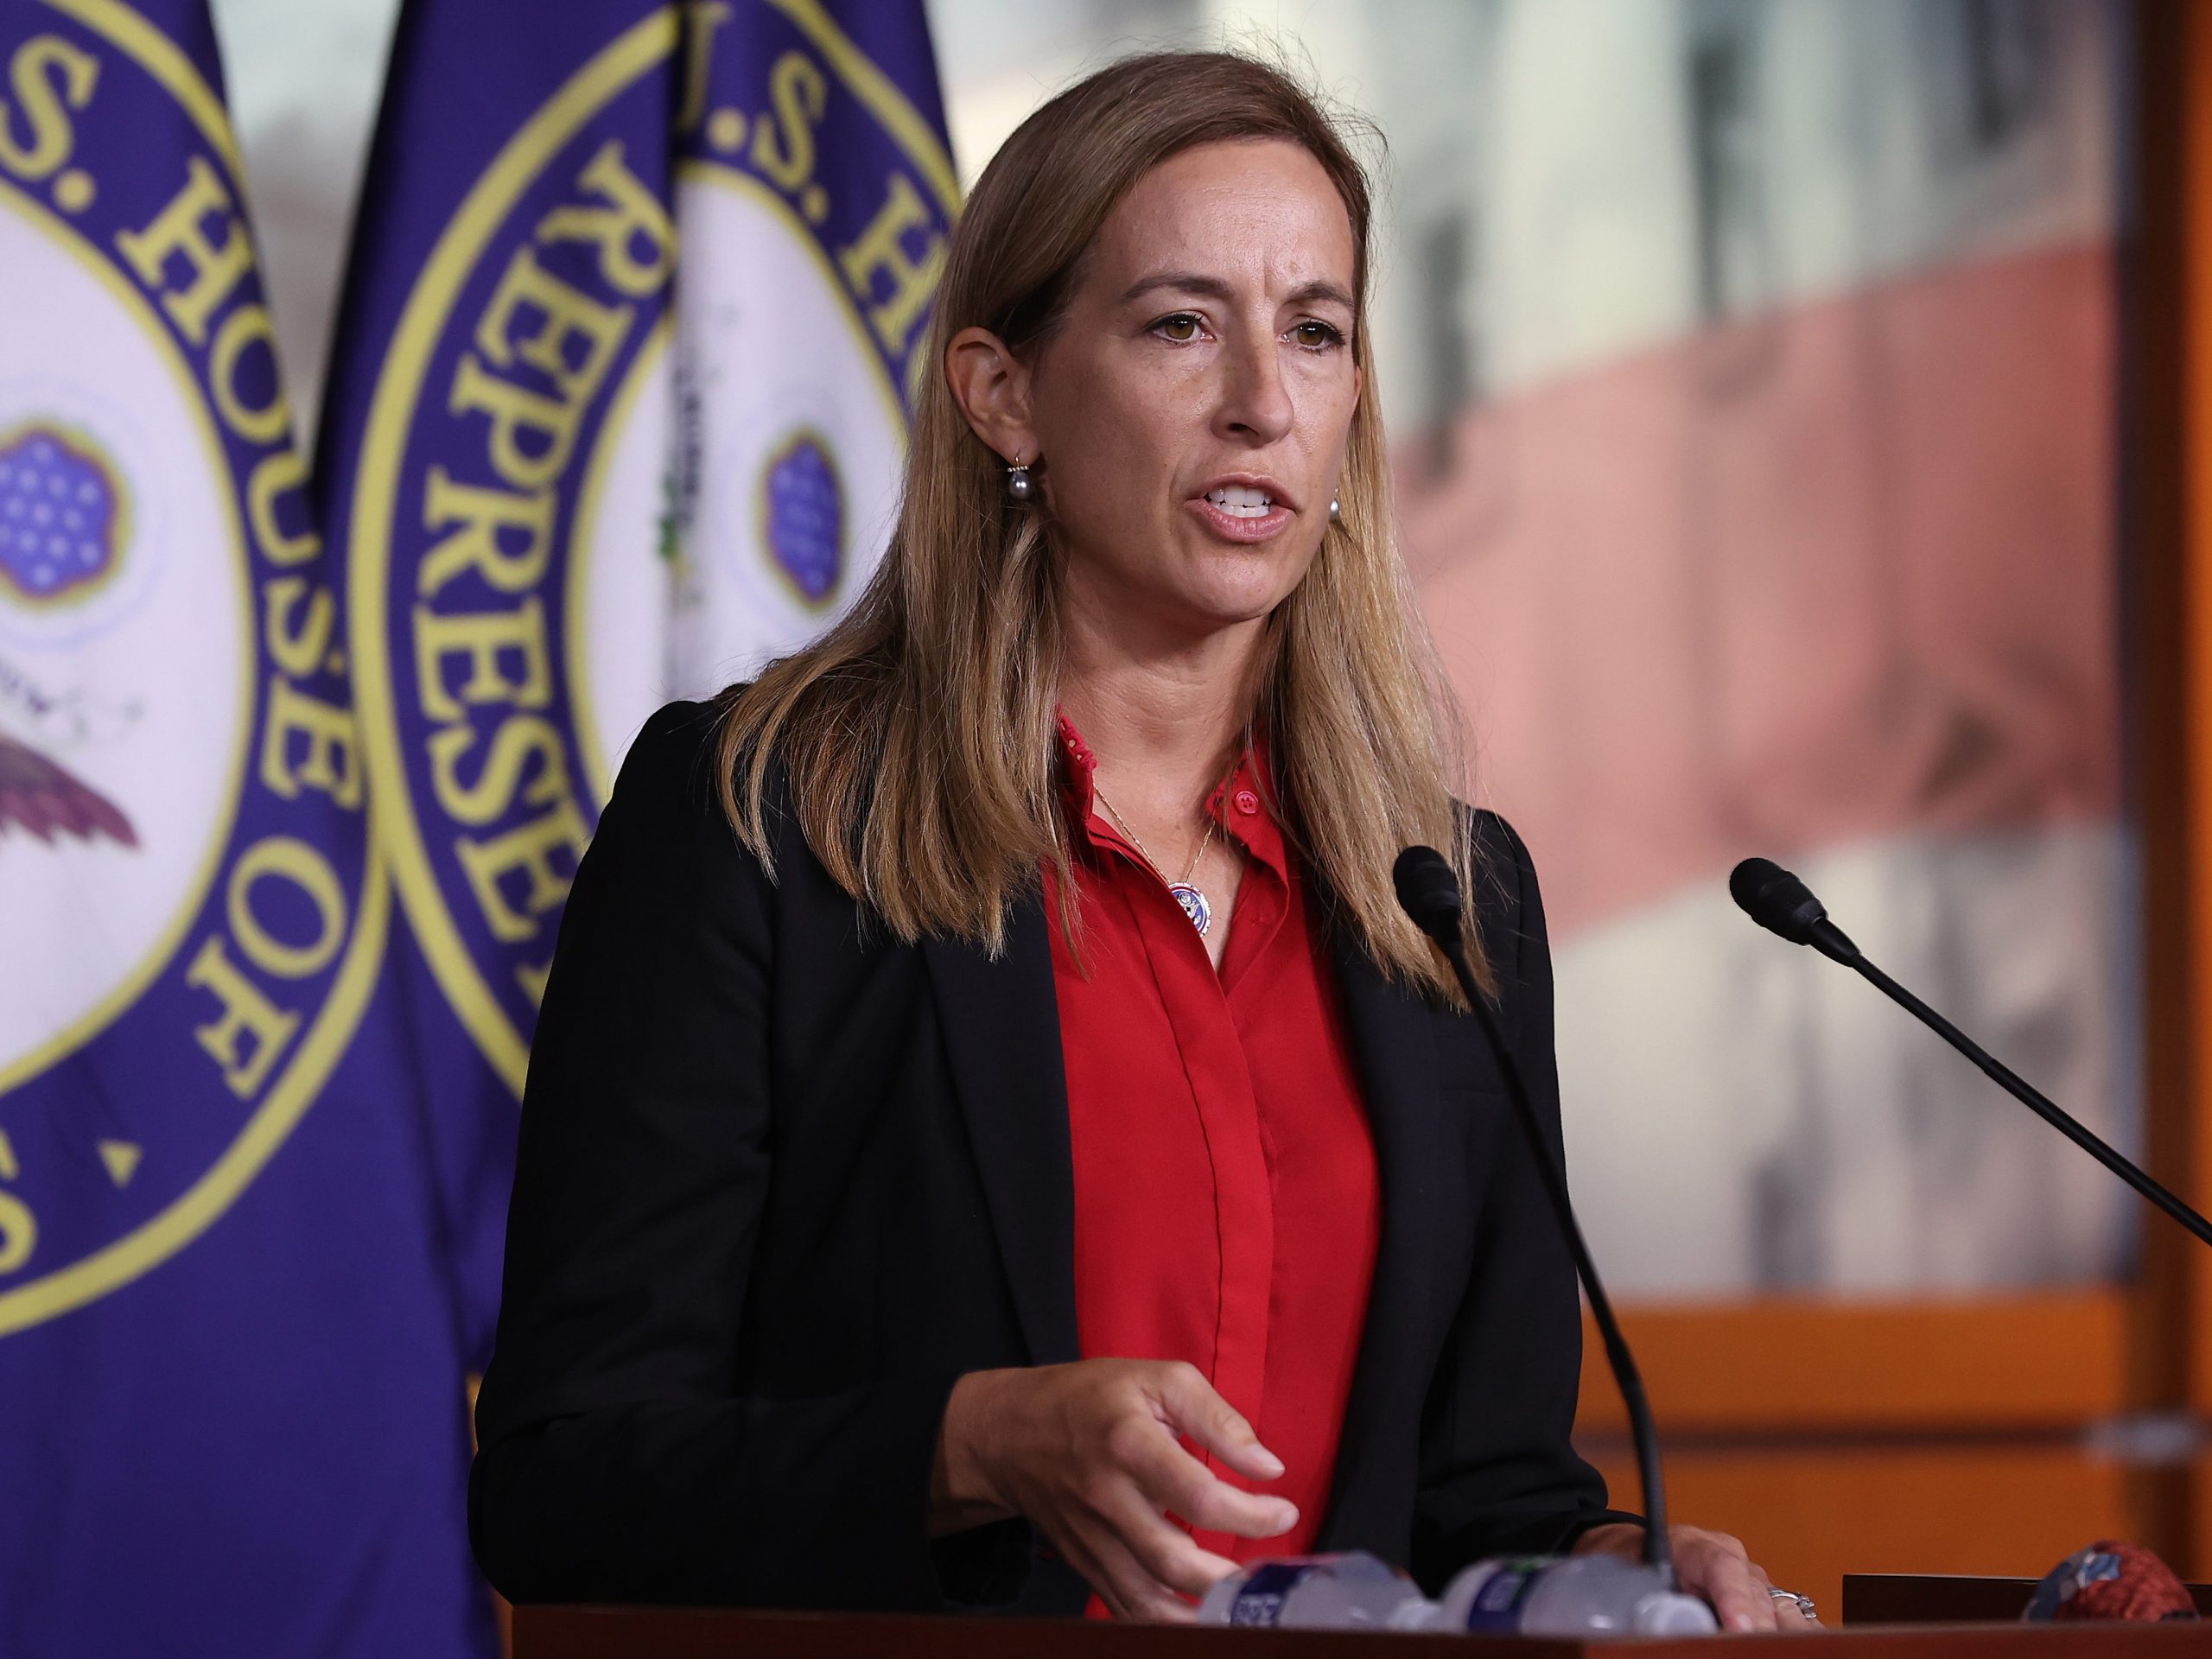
<point>1255,400</point>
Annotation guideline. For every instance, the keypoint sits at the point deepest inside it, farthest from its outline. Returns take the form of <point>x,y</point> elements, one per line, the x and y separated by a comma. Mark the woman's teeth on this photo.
<point>1239,502</point>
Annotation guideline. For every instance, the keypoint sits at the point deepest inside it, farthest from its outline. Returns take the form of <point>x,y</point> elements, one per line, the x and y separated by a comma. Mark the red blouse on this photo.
<point>1227,1204</point>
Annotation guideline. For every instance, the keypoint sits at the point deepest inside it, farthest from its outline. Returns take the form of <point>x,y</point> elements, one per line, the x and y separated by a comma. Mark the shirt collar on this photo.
<point>1077,766</point>
<point>1244,805</point>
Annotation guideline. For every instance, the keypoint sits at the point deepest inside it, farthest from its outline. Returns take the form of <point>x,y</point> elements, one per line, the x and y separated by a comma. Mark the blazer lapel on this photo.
<point>1395,1047</point>
<point>1002,1025</point>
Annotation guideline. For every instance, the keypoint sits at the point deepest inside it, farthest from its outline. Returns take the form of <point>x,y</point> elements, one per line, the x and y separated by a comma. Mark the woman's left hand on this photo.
<point>1716,1567</point>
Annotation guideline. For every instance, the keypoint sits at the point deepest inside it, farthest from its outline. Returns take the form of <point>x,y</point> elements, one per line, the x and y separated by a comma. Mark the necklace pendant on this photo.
<point>1194,905</point>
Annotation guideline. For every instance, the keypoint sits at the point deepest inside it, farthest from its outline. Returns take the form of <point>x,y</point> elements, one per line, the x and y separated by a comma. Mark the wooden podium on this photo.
<point>1945,1612</point>
<point>1944,1599</point>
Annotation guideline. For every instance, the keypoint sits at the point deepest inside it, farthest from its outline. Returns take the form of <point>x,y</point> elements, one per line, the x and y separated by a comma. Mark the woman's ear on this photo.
<point>992,388</point>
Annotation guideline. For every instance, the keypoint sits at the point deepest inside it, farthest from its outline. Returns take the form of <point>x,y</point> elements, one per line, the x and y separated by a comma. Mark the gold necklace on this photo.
<point>1192,900</point>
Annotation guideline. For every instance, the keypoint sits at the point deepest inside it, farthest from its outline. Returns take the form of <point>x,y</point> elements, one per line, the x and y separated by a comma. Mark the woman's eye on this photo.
<point>1180,327</point>
<point>1317,336</point>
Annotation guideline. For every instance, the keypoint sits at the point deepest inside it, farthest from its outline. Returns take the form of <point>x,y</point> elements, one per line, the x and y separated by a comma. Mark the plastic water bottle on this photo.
<point>1351,1591</point>
<point>1567,1595</point>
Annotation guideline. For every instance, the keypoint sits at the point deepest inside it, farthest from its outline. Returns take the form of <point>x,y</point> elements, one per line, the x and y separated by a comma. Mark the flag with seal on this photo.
<point>228,1342</point>
<point>639,298</point>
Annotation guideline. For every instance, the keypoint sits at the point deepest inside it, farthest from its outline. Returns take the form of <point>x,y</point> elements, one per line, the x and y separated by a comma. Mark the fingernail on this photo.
<point>1741,1621</point>
<point>1267,1457</point>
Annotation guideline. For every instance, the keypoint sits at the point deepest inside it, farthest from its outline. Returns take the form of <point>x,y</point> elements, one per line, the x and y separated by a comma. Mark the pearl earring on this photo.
<point>1018,486</point>
<point>1336,513</point>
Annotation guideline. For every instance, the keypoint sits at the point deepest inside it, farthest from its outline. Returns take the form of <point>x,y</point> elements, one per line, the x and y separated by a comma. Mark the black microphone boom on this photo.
<point>1779,902</point>
<point>1429,893</point>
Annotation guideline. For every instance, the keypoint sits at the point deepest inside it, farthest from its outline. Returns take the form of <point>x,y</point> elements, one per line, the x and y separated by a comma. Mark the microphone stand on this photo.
<point>1434,908</point>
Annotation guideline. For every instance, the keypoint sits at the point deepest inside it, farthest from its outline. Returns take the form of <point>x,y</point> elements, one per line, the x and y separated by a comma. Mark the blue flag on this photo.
<point>639,297</point>
<point>229,1342</point>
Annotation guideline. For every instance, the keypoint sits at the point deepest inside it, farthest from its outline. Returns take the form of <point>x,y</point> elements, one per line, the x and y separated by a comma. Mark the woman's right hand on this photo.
<point>1087,1453</point>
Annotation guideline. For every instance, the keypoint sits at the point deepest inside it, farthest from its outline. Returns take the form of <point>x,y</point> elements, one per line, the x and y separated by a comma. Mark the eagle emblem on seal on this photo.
<point>45,797</point>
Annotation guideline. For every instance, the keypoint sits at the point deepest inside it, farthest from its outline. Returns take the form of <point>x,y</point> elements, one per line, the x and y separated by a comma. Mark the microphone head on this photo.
<point>1776,900</point>
<point>1429,893</point>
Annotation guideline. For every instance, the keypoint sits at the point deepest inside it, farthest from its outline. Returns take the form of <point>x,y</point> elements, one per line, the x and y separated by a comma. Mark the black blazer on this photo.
<point>783,1179</point>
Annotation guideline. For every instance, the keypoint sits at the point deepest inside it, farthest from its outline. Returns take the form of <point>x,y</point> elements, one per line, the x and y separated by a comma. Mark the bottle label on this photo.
<point>1260,1598</point>
<point>1496,1609</point>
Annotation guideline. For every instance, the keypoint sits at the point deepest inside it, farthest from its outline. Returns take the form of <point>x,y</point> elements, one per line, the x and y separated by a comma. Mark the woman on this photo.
<point>992,1138</point>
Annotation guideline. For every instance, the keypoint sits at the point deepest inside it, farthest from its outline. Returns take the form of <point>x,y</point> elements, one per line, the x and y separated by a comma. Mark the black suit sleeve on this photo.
<point>1499,1472</point>
<point>618,1460</point>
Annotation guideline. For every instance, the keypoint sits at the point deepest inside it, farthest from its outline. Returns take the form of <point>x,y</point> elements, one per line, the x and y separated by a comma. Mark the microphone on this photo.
<point>1782,903</point>
<point>1428,892</point>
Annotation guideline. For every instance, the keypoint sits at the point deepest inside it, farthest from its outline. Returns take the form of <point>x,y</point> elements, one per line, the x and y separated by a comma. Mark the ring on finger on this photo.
<point>1804,1602</point>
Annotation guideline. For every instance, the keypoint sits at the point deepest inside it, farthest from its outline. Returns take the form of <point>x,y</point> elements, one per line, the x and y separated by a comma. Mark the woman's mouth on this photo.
<point>1239,512</point>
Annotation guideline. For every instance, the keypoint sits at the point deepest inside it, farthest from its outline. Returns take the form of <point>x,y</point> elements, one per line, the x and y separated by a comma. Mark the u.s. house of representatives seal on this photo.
<point>587,484</point>
<point>189,923</point>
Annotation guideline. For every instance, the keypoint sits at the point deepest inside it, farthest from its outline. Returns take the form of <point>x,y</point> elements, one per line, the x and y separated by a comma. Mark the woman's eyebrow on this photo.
<point>1191,282</point>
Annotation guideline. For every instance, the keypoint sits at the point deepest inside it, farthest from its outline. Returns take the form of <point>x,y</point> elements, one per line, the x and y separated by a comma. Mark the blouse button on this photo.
<point>1246,802</point>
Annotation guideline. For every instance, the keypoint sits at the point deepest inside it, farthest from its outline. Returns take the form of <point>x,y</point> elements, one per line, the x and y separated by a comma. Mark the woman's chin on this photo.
<point>1219,611</point>
<point>1203,589</point>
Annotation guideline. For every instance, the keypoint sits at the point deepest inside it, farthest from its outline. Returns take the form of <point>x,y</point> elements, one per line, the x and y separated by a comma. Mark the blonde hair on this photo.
<point>918,734</point>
